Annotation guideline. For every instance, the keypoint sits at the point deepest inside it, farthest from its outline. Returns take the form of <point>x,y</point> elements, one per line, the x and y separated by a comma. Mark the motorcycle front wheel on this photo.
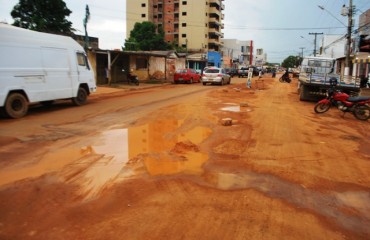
<point>322,107</point>
<point>281,79</point>
<point>362,112</point>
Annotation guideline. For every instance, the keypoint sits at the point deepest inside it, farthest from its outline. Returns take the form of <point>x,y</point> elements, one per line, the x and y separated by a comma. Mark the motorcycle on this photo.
<point>132,78</point>
<point>284,78</point>
<point>358,106</point>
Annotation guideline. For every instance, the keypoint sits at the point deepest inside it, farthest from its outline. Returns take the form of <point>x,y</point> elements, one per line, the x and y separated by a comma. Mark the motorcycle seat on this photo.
<point>358,99</point>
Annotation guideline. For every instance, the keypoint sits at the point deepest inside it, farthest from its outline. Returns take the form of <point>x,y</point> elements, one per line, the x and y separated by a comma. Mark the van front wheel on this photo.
<point>81,97</point>
<point>16,105</point>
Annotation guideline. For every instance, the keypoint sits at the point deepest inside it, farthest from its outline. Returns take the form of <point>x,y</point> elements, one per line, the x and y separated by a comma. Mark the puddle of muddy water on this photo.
<point>236,109</point>
<point>153,141</point>
<point>100,161</point>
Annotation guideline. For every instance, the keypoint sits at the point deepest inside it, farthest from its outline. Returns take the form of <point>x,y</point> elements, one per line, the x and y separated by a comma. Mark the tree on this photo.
<point>291,62</point>
<point>43,16</point>
<point>145,37</point>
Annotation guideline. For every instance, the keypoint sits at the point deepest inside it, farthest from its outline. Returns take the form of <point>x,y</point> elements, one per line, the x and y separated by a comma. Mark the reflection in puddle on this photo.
<point>236,109</point>
<point>166,165</point>
<point>105,170</point>
<point>163,150</point>
<point>98,162</point>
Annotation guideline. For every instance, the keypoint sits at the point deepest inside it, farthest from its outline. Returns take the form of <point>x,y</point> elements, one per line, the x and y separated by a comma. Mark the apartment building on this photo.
<point>193,24</point>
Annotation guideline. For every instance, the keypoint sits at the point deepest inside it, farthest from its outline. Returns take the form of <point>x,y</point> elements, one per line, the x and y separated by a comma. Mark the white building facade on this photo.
<point>240,53</point>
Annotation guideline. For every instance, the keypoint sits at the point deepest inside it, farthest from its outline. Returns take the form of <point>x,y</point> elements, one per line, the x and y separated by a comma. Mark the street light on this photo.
<point>324,9</point>
<point>345,12</point>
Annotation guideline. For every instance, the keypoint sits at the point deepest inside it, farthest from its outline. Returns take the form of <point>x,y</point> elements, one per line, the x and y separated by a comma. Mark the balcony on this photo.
<point>213,10</point>
<point>215,2</point>
<point>214,20</point>
<point>214,32</point>
<point>213,41</point>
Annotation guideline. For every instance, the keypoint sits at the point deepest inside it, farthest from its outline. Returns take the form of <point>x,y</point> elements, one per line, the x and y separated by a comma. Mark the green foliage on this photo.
<point>291,62</point>
<point>145,37</point>
<point>43,16</point>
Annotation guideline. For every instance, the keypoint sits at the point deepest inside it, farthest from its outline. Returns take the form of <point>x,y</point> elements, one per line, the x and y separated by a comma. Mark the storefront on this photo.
<point>361,67</point>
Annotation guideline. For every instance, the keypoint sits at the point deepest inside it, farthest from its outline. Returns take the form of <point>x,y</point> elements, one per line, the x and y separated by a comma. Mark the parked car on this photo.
<point>243,72</point>
<point>186,75</point>
<point>231,71</point>
<point>215,75</point>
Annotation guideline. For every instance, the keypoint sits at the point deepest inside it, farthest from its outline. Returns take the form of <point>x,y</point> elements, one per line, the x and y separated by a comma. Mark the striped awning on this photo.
<point>361,60</point>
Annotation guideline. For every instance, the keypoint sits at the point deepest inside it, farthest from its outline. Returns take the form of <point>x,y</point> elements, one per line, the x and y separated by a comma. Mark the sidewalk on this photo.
<point>106,89</point>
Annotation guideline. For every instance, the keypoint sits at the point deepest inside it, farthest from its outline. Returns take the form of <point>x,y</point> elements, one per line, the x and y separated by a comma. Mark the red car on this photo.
<point>186,75</point>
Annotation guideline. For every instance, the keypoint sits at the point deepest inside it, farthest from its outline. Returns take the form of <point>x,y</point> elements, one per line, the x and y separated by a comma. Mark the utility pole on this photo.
<point>314,50</point>
<point>302,51</point>
<point>186,56</point>
<point>86,19</point>
<point>348,13</point>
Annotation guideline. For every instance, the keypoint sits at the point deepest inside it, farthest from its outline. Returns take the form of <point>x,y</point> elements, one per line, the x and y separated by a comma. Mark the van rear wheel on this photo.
<point>81,97</point>
<point>16,105</point>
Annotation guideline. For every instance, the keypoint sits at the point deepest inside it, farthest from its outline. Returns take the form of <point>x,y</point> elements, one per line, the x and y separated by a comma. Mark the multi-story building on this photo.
<point>192,24</point>
<point>237,52</point>
<point>261,57</point>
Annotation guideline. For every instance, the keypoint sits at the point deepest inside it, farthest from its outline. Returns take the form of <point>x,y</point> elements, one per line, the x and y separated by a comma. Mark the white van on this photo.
<point>41,67</point>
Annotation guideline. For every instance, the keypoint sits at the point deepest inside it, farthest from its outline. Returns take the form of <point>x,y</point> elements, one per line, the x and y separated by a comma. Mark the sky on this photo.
<point>280,27</point>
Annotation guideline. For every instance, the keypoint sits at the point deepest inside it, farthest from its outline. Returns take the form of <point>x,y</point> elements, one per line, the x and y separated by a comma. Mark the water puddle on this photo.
<point>113,148</point>
<point>98,162</point>
<point>236,108</point>
<point>190,163</point>
<point>163,148</point>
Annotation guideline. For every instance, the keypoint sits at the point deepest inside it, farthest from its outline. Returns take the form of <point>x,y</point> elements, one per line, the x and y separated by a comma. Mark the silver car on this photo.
<point>215,75</point>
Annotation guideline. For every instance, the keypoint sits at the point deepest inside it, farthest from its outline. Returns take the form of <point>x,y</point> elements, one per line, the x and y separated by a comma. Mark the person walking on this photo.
<point>273,72</point>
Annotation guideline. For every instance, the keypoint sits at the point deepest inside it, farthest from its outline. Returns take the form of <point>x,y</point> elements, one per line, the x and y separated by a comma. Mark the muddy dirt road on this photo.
<point>157,164</point>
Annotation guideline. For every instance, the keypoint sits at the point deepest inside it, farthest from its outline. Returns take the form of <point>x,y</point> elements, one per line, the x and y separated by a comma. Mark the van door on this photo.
<point>85,73</point>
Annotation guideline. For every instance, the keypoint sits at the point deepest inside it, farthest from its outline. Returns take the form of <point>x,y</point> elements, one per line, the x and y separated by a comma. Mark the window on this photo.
<point>143,15</point>
<point>184,2</point>
<point>184,13</point>
<point>143,5</point>
<point>82,60</point>
<point>183,24</point>
<point>183,35</point>
<point>141,63</point>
